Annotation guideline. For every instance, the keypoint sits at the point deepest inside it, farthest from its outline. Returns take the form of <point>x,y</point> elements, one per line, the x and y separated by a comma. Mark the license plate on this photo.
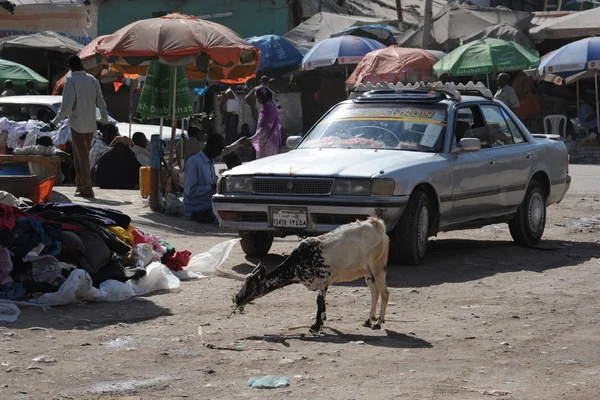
<point>289,217</point>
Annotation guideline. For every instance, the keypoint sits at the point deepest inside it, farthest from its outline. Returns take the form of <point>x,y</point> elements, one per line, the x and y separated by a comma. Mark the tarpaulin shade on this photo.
<point>20,75</point>
<point>487,56</point>
<point>381,33</point>
<point>501,31</point>
<point>48,40</point>
<point>580,24</point>
<point>392,65</point>
<point>275,52</point>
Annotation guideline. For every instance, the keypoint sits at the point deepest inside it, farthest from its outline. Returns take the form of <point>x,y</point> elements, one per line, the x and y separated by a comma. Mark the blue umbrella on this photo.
<point>343,49</point>
<point>275,52</point>
<point>573,59</point>
<point>379,32</point>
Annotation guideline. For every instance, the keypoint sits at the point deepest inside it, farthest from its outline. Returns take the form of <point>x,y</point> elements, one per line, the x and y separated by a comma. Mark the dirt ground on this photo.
<point>480,319</point>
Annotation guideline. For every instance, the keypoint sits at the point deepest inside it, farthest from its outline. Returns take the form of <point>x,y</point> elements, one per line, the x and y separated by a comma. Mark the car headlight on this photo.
<point>355,187</point>
<point>383,187</point>
<point>238,184</point>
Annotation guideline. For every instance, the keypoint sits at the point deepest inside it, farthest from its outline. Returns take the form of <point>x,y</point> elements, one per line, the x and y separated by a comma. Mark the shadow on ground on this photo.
<point>392,339</point>
<point>457,260</point>
<point>90,316</point>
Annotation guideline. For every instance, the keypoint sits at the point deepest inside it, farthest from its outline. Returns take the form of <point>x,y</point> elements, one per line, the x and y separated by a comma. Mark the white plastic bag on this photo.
<point>8,312</point>
<point>206,264</point>
<point>158,277</point>
<point>144,254</point>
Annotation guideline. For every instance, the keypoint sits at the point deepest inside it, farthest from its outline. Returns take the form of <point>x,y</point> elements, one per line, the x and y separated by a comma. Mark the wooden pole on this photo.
<point>130,105</point>
<point>399,10</point>
<point>427,24</point>
<point>155,154</point>
<point>173,132</point>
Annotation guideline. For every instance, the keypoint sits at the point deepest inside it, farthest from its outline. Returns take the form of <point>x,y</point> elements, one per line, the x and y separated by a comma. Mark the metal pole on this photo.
<point>487,77</point>
<point>597,105</point>
<point>155,152</point>
<point>577,107</point>
<point>173,132</point>
<point>399,10</point>
<point>130,106</point>
<point>427,24</point>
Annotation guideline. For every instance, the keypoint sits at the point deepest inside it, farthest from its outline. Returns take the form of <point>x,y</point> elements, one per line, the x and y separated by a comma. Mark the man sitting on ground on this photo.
<point>118,168</point>
<point>193,146</point>
<point>201,182</point>
<point>140,144</point>
<point>102,141</point>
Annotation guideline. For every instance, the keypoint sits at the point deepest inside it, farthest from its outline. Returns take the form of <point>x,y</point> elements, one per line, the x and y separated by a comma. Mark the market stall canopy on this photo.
<point>182,40</point>
<point>580,5</point>
<point>502,31</point>
<point>383,9</point>
<point>20,75</point>
<point>573,25</point>
<point>456,21</point>
<point>343,50</point>
<point>47,40</point>
<point>381,33</point>
<point>572,59</point>
<point>392,65</point>
<point>275,52</point>
<point>321,26</point>
<point>487,56</point>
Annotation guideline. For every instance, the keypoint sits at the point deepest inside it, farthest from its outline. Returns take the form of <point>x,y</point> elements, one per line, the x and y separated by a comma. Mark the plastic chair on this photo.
<point>556,121</point>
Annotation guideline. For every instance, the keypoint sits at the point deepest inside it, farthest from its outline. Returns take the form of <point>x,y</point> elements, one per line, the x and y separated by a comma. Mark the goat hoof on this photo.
<point>367,323</point>
<point>315,329</point>
<point>376,327</point>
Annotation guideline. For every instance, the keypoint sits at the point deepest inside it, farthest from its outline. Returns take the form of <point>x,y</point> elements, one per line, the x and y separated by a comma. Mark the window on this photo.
<point>514,129</point>
<point>499,132</point>
<point>469,124</point>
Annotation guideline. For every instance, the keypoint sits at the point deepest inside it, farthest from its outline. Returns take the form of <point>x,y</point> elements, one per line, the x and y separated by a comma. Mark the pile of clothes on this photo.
<point>42,245</point>
<point>25,133</point>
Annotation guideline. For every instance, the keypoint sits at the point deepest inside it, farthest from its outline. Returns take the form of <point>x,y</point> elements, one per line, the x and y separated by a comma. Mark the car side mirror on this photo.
<point>292,142</point>
<point>469,145</point>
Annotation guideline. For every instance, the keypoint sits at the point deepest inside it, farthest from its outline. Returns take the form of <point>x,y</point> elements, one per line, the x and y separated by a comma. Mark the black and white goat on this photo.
<point>343,255</point>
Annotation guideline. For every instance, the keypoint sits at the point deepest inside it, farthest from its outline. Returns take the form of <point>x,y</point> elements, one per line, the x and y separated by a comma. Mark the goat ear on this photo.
<point>260,271</point>
<point>256,269</point>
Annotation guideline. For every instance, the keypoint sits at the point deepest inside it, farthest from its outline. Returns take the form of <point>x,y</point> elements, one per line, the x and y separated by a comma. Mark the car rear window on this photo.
<point>381,126</point>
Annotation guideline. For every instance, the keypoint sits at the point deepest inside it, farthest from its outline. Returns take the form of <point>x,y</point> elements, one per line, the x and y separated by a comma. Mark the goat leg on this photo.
<point>316,327</point>
<point>385,295</point>
<point>374,298</point>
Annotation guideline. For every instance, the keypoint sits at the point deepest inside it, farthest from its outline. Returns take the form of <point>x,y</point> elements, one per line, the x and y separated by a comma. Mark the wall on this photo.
<point>290,115</point>
<point>246,17</point>
<point>68,21</point>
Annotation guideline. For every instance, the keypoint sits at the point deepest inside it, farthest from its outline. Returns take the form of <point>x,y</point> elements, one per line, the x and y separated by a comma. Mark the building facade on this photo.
<point>245,17</point>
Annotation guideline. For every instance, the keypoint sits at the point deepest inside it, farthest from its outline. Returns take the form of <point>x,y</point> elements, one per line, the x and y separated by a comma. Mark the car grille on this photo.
<point>293,186</point>
<point>333,219</point>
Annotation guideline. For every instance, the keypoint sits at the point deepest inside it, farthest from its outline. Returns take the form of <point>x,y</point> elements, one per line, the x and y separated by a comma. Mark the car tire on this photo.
<point>412,231</point>
<point>256,244</point>
<point>528,224</point>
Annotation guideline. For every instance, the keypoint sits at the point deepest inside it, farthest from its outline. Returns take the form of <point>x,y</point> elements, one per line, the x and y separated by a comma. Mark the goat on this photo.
<point>343,255</point>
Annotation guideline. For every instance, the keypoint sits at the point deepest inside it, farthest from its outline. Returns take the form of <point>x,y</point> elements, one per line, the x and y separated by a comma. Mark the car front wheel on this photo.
<point>412,231</point>
<point>256,244</point>
<point>528,224</point>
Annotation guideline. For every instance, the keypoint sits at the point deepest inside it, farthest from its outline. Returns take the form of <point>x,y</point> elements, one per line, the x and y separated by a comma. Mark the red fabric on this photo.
<point>117,85</point>
<point>8,215</point>
<point>138,238</point>
<point>178,260</point>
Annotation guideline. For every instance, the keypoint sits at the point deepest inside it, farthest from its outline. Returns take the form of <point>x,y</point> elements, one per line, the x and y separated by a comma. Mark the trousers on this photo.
<point>82,142</point>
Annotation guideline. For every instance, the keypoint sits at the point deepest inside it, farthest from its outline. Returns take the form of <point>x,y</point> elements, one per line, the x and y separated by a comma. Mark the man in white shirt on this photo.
<point>230,107</point>
<point>81,95</point>
<point>140,144</point>
<point>506,93</point>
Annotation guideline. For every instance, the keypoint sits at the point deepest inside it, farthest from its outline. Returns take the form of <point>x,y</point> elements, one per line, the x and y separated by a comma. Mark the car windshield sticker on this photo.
<point>420,115</point>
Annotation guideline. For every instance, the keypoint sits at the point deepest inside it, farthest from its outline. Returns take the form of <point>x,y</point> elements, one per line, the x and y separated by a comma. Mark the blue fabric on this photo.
<point>200,91</point>
<point>381,31</point>
<point>275,52</point>
<point>200,175</point>
<point>586,111</point>
<point>572,58</point>
<point>343,49</point>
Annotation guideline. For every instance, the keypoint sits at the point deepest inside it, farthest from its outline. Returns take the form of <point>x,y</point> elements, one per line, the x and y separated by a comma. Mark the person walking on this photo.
<point>267,139</point>
<point>81,95</point>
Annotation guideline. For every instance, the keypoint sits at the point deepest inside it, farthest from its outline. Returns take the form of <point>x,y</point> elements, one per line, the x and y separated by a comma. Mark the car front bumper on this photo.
<point>248,212</point>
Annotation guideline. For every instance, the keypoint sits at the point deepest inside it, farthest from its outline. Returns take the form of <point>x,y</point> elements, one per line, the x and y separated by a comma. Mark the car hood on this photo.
<point>356,163</point>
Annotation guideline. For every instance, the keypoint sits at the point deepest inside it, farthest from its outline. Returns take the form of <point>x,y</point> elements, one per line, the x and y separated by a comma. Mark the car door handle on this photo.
<point>492,161</point>
<point>528,155</point>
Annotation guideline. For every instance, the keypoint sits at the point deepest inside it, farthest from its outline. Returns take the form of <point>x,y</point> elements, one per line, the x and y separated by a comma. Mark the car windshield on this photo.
<point>380,126</point>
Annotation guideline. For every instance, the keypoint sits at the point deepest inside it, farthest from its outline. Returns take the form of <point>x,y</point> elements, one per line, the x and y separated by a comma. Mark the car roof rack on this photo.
<point>449,90</point>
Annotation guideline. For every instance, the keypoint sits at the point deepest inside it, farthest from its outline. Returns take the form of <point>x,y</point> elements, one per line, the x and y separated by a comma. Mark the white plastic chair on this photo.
<point>558,125</point>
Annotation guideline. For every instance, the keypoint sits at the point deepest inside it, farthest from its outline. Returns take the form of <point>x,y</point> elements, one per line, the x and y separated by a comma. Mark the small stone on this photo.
<point>286,361</point>
<point>504,344</point>
<point>358,342</point>
<point>44,360</point>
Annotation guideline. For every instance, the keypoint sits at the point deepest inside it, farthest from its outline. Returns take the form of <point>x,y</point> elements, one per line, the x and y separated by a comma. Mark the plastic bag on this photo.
<point>158,277</point>
<point>206,264</point>
<point>8,312</point>
<point>269,382</point>
<point>144,254</point>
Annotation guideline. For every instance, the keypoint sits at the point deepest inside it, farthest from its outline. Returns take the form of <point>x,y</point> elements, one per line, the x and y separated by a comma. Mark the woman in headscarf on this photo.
<point>267,139</point>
